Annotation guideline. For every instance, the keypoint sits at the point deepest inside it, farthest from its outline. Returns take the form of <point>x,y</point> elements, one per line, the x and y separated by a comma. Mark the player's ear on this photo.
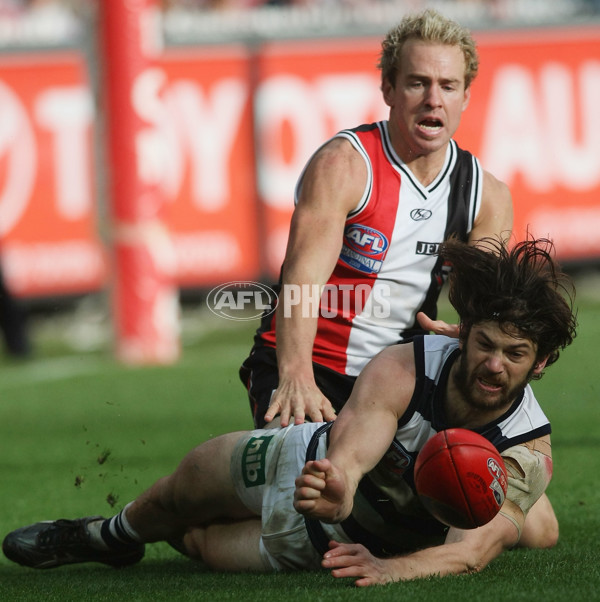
<point>466,98</point>
<point>539,365</point>
<point>388,92</point>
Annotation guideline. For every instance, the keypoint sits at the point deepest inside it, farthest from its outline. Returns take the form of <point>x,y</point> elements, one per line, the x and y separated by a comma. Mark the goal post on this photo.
<point>144,293</point>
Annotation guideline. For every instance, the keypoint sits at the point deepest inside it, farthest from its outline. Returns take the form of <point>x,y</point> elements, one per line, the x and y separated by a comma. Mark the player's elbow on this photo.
<point>478,555</point>
<point>474,564</point>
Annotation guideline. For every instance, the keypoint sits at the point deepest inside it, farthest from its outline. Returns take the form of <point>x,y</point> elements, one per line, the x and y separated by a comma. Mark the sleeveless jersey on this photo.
<point>388,268</point>
<point>387,516</point>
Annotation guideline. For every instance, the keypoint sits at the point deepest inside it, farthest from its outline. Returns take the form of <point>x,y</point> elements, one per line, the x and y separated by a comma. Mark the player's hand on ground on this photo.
<point>437,326</point>
<point>320,492</point>
<point>299,400</point>
<point>355,561</point>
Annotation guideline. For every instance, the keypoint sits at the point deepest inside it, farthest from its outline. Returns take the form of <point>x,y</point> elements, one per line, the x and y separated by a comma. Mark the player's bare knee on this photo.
<point>194,543</point>
<point>550,536</point>
<point>542,537</point>
<point>201,544</point>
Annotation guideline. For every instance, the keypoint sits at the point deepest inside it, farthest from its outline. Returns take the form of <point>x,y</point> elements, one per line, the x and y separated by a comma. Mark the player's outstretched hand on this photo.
<point>354,560</point>
<point>321,492</point>
<point>300,400</point>
<point>437,326</point>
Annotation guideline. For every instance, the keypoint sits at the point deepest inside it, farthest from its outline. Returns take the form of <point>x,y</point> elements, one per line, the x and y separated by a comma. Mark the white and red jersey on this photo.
<point>388,268</point>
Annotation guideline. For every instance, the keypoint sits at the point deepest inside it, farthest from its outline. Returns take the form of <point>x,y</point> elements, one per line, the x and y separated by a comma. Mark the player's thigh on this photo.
<point>225,546</point>
<point>202,484</point>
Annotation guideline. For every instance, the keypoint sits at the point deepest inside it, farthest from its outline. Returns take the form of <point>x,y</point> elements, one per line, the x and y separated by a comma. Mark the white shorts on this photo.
<point>264,466</point>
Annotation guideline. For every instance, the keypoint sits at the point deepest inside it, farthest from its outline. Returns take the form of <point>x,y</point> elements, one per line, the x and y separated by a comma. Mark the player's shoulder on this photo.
<point>398,358</point>
<point>437,342</point>
<point>495,189</point>
<point>496,214</point>
<point>335,151</point>
<point>390,377</point>
<point>338,163</point>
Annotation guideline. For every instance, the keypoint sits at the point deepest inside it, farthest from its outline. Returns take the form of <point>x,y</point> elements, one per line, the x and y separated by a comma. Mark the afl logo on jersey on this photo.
<point>364,248</point>
<point>420,215</point>
<point>365,240</point>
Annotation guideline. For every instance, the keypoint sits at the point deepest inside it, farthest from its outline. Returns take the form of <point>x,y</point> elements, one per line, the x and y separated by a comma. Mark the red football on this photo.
<point>461,478</point>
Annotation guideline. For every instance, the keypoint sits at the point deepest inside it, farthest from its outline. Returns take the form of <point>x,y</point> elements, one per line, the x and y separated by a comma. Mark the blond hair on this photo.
<point>428,26</point>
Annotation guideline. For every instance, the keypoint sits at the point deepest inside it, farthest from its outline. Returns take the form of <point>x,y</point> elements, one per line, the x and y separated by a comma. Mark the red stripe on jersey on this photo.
<point>367,237</point>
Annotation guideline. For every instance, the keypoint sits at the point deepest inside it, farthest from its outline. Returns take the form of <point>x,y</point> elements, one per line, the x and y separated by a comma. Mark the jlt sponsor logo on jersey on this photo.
<point>364,248</point>
<point>254,460</point>
<point>427,248</point>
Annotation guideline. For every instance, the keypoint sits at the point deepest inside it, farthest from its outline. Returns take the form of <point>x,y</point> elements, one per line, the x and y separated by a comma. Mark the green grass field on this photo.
<point>81,434</point>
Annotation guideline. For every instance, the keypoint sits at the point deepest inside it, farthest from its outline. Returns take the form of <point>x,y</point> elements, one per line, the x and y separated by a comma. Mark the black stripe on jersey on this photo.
<point>460,217</point>
<point>365,127</point>
<point>474,192</point>
<point>386,509</point>
<point>315,531</point>
<point>433,410</point>
<point>374,544</point>
<point>420,383</point>
<point>504,443</point>
<point>493,432</point>
<point>460,197</point>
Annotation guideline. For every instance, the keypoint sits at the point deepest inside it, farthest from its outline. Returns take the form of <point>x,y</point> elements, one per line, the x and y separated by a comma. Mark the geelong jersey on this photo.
<point>387,516</point>
<point>388,268</point>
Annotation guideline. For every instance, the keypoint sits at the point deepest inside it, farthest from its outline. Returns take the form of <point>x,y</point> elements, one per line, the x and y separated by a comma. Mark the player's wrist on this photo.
<point>296,371</point>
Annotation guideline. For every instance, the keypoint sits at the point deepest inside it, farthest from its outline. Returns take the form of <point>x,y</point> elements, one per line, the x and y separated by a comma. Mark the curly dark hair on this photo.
<point>520,287</point>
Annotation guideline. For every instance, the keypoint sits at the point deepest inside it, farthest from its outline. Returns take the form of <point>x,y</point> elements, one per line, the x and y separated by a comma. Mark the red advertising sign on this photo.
<point>531,121</point>
<point>207,163</point>
<point>306,92</point>
<point>227,131</point>
<point>48,229</point>
<point>534,124</point>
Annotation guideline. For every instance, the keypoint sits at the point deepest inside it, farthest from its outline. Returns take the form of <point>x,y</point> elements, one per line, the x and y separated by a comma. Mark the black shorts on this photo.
<point>260,376</point>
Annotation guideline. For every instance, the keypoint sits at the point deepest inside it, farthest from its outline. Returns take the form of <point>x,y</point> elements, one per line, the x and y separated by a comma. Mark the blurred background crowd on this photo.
<point>10,8</point>
<point>61,21</point>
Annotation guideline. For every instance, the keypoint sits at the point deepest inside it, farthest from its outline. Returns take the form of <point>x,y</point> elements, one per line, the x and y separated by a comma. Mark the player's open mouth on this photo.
<point>430,125</point>
<point>489,386</point>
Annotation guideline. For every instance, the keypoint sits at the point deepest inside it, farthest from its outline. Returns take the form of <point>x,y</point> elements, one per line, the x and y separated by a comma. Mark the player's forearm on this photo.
<point>440,561</point>
<point>366,426</point>
<point>296,327</point>
<point>467,551</point>
<point>357,442</point>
